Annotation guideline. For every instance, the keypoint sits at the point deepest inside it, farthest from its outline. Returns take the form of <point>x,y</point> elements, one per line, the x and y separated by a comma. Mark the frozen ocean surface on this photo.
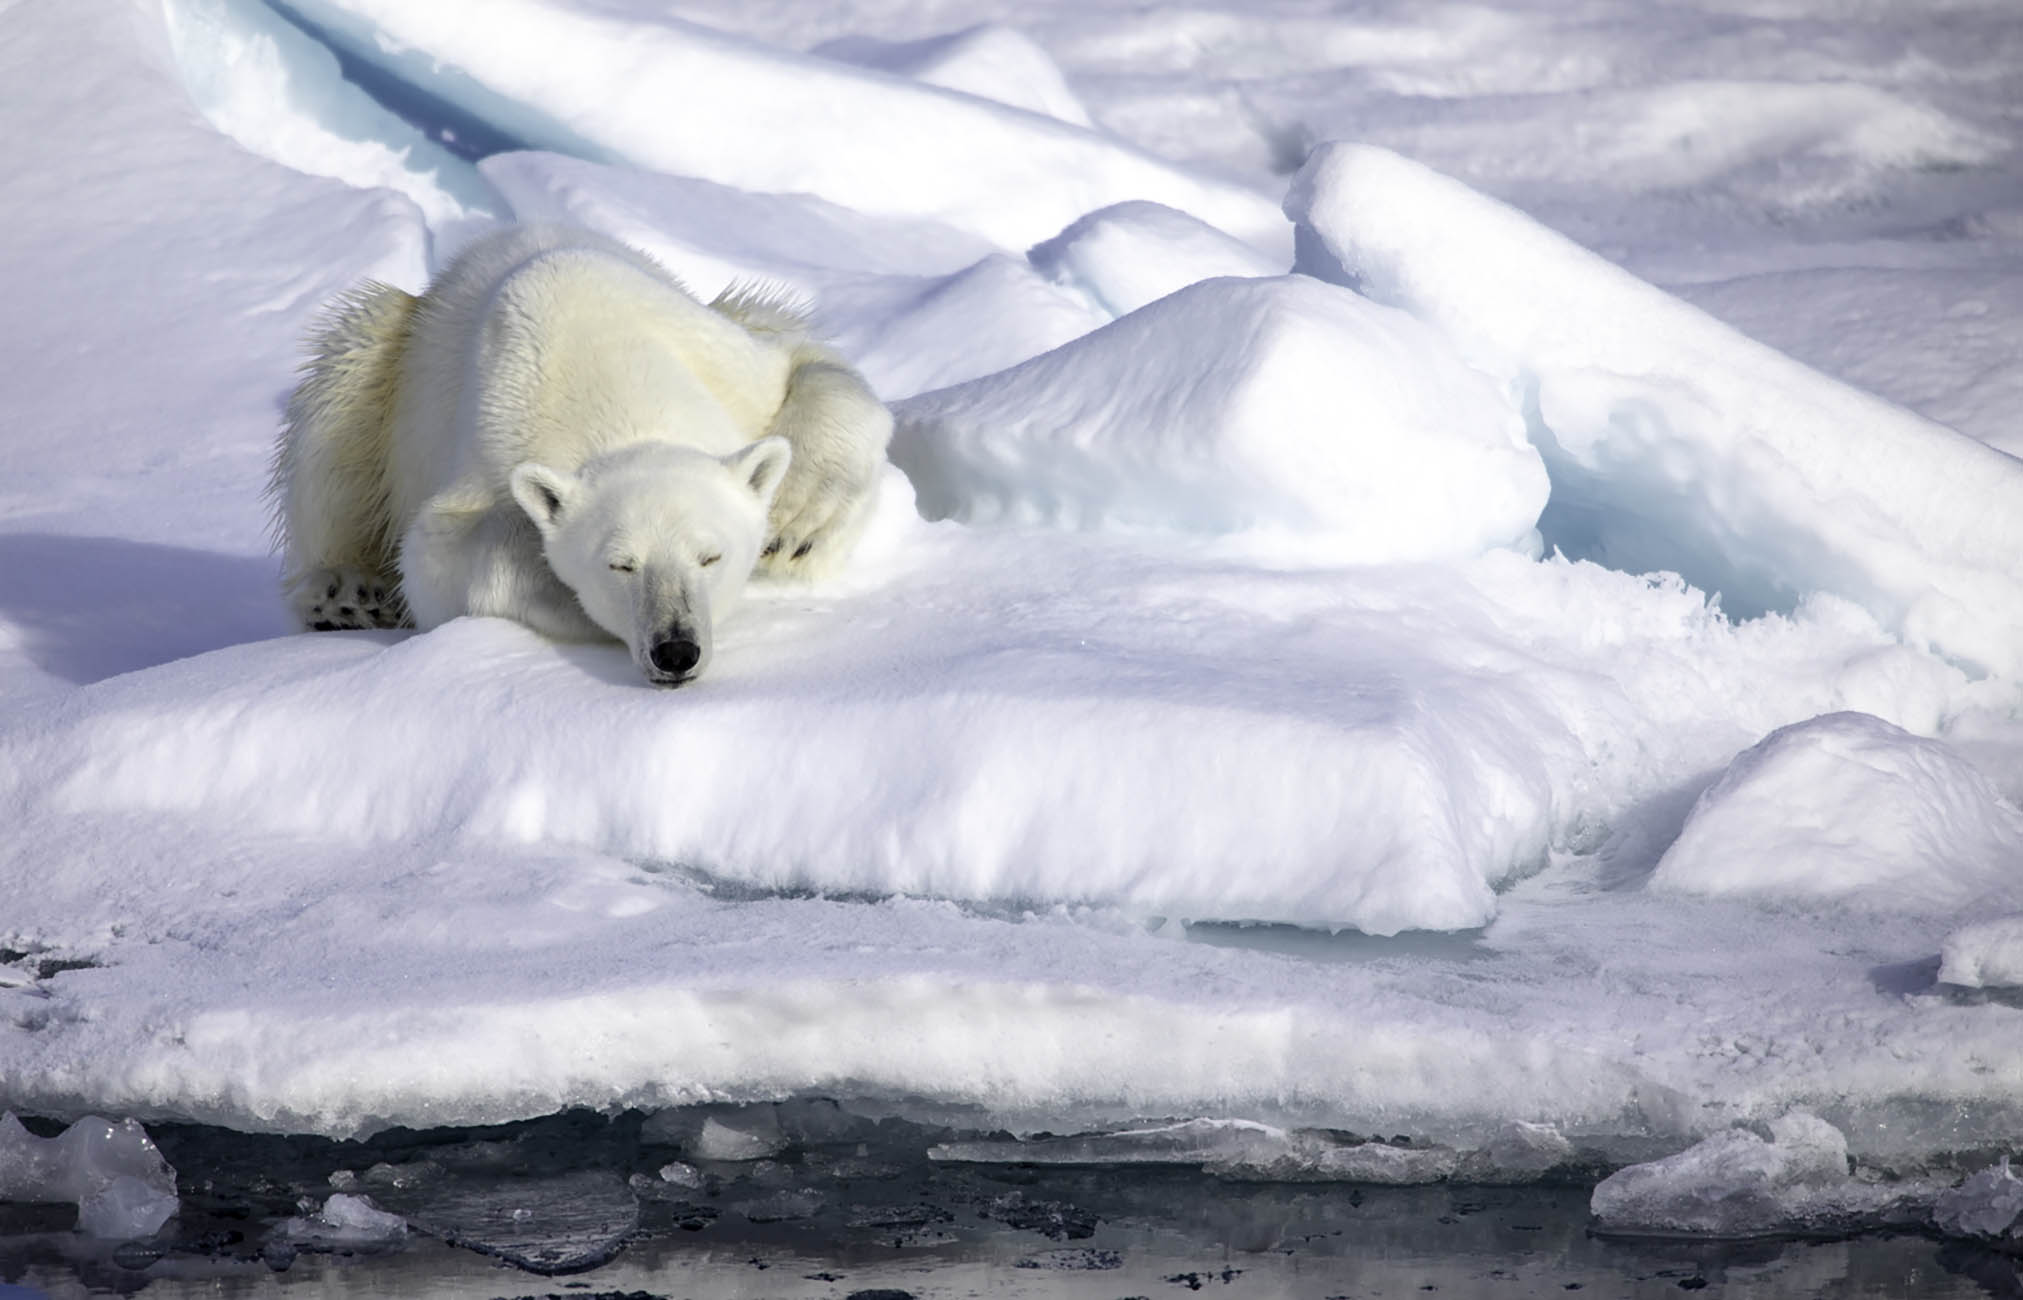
<point>1449,572</point>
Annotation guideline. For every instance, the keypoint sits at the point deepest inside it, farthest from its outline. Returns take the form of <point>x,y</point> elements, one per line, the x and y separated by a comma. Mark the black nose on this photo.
<point>674,656</point>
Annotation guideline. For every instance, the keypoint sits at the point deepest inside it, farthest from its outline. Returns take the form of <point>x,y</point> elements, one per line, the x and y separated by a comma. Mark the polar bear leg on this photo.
<point>329,600</point>
<point>328,483</point>
<point>456,560</point>
<point>838,429</point>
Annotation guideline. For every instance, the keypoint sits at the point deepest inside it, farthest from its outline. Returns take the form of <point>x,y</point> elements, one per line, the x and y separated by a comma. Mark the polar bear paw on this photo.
<point>331,600</point>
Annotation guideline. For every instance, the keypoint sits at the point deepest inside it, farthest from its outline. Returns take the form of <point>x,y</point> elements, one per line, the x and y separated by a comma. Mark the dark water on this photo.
<point>851,1207</point>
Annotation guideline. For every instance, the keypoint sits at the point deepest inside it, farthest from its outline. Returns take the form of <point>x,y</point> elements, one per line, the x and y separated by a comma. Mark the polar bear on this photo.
<point>557,432</point>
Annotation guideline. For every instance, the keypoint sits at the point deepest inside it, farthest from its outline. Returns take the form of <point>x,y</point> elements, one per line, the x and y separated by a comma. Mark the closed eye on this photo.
<point>708,560</point>
<point>623,566</point>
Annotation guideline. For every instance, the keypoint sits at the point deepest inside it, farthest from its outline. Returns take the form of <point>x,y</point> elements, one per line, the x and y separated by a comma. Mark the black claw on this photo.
<point>331,594</point>
<point>772,547</point>
<point>803,549</point>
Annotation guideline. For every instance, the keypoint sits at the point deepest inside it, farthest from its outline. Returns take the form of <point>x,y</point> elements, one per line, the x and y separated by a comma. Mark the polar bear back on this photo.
<point>556,345</point>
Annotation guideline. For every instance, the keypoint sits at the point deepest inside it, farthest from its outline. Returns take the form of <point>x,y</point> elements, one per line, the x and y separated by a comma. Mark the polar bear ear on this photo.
<point>542,493</point>
<point>761,466</point>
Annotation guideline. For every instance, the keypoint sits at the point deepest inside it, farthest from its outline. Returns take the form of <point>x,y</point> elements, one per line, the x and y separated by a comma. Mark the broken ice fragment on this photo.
<point>1736,1184</point>
<point>1986,1207</point>
<point>122,1186</point>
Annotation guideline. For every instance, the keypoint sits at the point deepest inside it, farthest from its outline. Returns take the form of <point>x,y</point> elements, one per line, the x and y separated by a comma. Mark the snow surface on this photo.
<point>1156,800</point>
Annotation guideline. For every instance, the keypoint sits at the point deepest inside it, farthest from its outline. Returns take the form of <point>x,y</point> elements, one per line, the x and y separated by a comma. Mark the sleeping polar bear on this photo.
<point>557,432</point>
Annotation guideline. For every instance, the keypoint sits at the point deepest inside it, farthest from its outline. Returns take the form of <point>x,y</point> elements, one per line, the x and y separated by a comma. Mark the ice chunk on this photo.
<point>1235,1149</point>
<point>753,1135</point>
<point>1129,254</point>
<point>1736,1184</point>
<point>1987,1206</point>
<point>1522,1152</point>
<point>1674,442</point>
<point>1281,404</point>
<point>988,60</point>
<point>1848,808</point>
<point>1985,955</point>
<point>122,1186</point>
<point>607,89</point>
<point>344,1222</point>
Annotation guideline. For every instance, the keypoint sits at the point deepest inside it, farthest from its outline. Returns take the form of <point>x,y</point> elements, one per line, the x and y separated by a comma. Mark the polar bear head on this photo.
<point>656,540</point>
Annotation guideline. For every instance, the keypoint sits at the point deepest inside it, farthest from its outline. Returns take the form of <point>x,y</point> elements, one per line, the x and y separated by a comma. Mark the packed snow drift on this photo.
<point>1348,642</point>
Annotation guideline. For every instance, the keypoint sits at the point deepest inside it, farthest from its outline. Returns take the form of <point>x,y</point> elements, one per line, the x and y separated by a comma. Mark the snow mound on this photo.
<point>1377,810</point>
<point>277,91</point>
<point>1985,955</point>
<point>923,334</point>
<point>989,60</point>
<point>1850,809</point>
<point>1278,404</point>
<point>1129,254</point>
<point>674,97</point>
<point>1737,1184</point>
<point>1673,441</point>
<point>1987,1206</point>
<point>122,1186</point>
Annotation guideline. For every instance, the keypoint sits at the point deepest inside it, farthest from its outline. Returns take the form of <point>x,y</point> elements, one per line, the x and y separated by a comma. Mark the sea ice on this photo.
<point>560,1223</point>
<point>1985,955</point>
<point>1737,1184</point>
<point>1850,809</point>
<point>1244,1150</point>
<point>1280,404</point>
<point>1673,441</point>
<point>122,1186</point>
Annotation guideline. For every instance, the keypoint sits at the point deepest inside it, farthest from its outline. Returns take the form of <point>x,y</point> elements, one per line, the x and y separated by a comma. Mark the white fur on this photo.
<point>557,432</point>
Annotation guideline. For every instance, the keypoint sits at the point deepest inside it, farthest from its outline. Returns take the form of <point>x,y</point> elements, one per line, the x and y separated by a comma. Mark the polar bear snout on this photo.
<point>672,661</point>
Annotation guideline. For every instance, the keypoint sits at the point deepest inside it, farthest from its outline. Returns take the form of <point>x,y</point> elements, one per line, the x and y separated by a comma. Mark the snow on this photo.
<point>988,60</point>
<point>1847,808</point>
<point>122,1186</point>
<point>1129,254</point>
<point>1675,442</point>
<point>1987,954</point>
<point>1280,404</point>
<point>606,88</point>
<point>1224,758</point>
